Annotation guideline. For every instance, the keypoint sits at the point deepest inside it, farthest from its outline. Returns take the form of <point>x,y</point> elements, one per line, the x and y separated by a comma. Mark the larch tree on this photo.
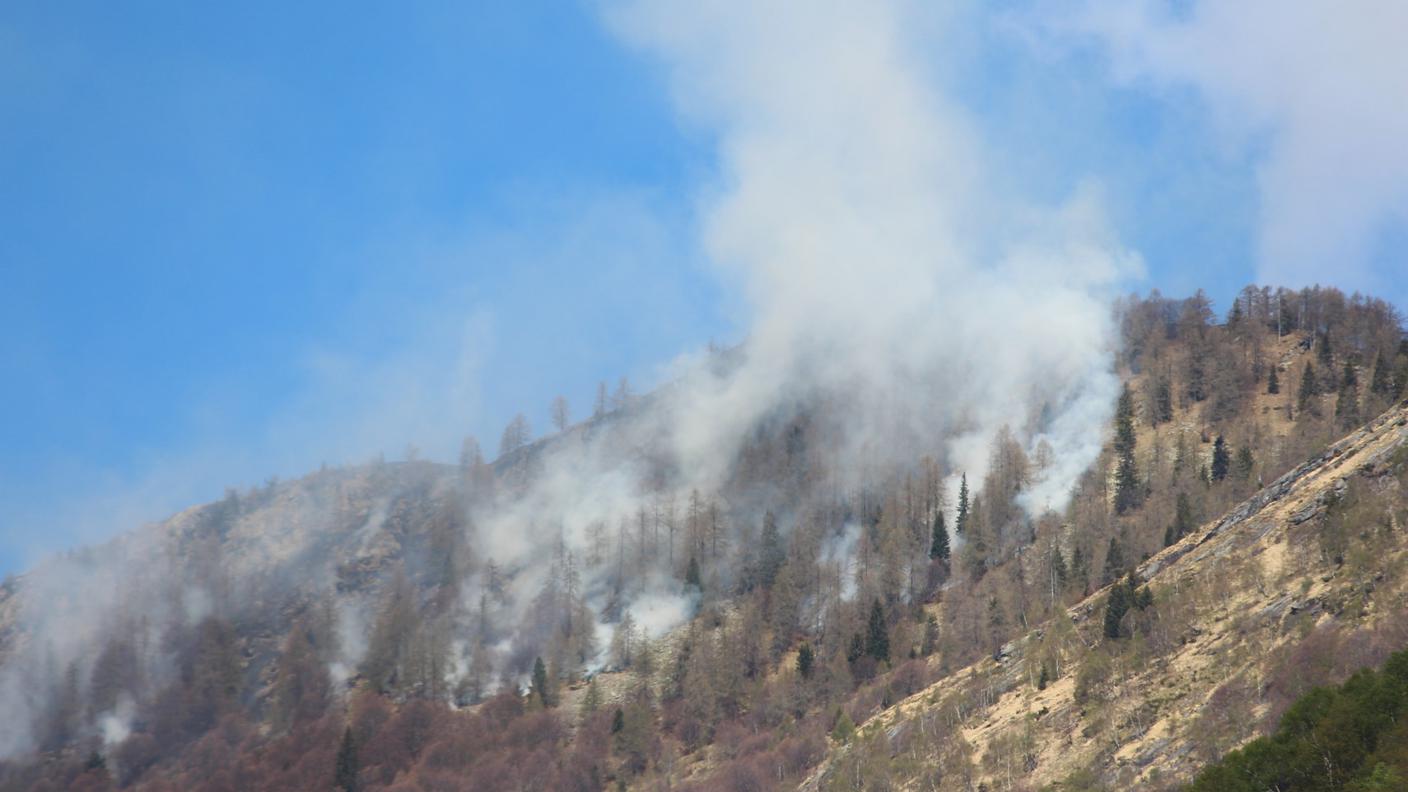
<point>515,435</point>
<point>599,409</point>
<point>561,413</point>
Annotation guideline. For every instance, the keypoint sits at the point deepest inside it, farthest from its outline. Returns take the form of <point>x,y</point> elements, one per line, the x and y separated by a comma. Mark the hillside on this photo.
<point>667,595</point>
<point>1251,612</point>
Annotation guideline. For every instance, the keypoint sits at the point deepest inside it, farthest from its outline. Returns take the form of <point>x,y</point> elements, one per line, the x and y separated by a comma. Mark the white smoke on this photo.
<point>883,274</point>
<point>852,206</point>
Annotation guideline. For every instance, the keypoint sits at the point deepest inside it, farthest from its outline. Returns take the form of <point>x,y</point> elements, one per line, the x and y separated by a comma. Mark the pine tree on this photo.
<point>805,660</point>
<point>1273,384</point>
<point>1127,492</point>
<point>539,687</point>
<point>1221,459</point>
<point>877,636</point>
<point>1305,398</point>
<point>1124,596</point>
<point>1116,606</point>
<point>960,522</point>
<point>345,775</point>
<point>939,548</point>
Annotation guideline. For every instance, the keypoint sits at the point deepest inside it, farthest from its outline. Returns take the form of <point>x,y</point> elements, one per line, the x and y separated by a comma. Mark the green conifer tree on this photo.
<point>539,689</point>
<point>1305,397</point>
<point>805,660</point>
<point>1221,459</point>
<point>1127,489</point>
<point>938,546</point>
<point>877,635</point>
<point>960,522</point>
<point>347,765</point>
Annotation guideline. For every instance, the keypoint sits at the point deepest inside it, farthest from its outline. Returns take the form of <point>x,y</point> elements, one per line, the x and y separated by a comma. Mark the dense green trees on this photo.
<point>1353,737</point>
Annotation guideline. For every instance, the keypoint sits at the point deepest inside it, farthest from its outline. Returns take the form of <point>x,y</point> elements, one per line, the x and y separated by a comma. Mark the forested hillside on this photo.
<point>821,615</point>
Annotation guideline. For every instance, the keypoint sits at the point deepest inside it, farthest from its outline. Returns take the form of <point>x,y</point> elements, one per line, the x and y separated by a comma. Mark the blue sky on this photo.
<point>241,240</point>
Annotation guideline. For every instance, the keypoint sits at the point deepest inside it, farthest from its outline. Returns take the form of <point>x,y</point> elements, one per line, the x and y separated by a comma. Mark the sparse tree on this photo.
<point>561,413</point>
<point>1273,384</point>
<point>599,409</point>
<point>516,435</point>
<point>1114,563</point>
<point>1182,522</point>
<point>622,397</point>
<point>1347,403</point>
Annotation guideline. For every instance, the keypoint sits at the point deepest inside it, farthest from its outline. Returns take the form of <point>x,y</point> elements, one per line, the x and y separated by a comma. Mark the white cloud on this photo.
<point>1321,86</point>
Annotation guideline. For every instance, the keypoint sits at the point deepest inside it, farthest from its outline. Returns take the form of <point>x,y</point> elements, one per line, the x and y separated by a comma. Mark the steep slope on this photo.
<point>1297,585</point>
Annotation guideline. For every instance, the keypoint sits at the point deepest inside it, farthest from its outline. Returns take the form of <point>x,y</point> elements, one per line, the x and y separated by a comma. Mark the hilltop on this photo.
<point>676,593</point>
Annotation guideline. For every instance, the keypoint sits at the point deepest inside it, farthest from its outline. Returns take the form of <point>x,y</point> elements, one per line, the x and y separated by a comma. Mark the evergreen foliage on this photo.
<point>1352,737</point>
<point>805,660</point>
<point>1127,489</point>
<point>938,546</point>
<point>1273,382</point>
<point>1221,459</point>
<point>877,634</point>
<point>960,522</point>
<point>345,776</point>
<point>1305,397</point>
<point>539,689</point>
<point>1124,596</point>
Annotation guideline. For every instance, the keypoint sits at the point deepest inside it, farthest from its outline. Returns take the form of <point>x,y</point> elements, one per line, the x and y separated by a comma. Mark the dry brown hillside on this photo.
<point>1294,587</point>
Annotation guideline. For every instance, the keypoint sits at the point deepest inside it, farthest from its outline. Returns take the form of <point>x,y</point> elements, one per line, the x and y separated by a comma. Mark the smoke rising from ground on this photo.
<point>884,277</point>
